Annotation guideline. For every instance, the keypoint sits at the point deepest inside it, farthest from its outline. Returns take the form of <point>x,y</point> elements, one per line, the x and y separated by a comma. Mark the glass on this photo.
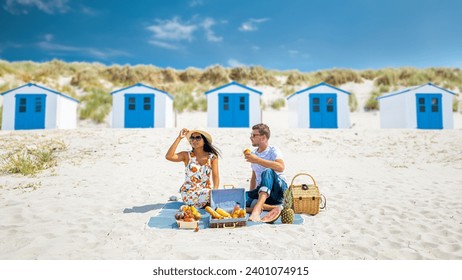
<point>253,135</point>
<point>197,138</point>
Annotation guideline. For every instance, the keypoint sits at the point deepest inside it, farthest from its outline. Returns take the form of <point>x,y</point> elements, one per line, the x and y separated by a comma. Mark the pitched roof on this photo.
<point>401,91</point>
<point>142,85</point>
<point>41,87</point>
<point>234,83</point>
<point>315,86</point>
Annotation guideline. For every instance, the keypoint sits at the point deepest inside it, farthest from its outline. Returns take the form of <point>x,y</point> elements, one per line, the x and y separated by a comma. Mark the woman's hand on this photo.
<point>183,133</point>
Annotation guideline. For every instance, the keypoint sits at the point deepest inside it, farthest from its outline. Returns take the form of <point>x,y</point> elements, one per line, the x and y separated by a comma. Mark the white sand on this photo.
<point>391,194</point>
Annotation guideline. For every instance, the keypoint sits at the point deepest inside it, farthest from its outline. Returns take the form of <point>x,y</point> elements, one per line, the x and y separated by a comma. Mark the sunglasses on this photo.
<point>253,135</point>
<point>197,138</point>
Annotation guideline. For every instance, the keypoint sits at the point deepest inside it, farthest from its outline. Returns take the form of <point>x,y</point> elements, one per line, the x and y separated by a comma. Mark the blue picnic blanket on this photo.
<point>165,219</point>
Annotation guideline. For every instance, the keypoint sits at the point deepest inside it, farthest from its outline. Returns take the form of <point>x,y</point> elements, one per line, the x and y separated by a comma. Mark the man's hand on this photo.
<point>251,158</point>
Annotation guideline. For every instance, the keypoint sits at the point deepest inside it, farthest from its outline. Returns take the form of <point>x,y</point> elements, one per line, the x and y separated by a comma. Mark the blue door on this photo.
<point>323,111</point>
<point>139,110</point>
<point>30,111</point>
<point>429,111</point>
<point>233,110</point>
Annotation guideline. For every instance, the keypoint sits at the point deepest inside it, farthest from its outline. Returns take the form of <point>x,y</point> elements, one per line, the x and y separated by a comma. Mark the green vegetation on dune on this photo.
<point>30,159</point>
<point>95,81</point>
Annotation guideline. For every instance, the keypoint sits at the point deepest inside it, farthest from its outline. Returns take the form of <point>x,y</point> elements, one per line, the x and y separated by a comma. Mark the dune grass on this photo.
<point>278,103</point>
<point>95,106</point>
<point>187,86</point>
<point>372,104</point>
<point>352,102</point>
<point>29,159</point>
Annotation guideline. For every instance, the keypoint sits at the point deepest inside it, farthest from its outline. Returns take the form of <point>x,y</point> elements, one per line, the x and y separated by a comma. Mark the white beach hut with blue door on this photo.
<point>141,106</point>
<point>319,106</point>
<point>33,106</point>
<point>425,107</point>
<point>233,105</point>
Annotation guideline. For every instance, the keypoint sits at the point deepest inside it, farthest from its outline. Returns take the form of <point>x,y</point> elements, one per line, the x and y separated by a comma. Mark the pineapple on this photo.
<point>287,213</point>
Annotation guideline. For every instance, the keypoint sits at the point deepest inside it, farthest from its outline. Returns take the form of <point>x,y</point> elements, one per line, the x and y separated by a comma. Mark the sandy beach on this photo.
<point>391,194</point>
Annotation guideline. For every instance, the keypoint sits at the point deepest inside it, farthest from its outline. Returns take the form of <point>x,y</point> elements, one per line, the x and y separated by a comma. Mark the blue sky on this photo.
<point>307,35</point>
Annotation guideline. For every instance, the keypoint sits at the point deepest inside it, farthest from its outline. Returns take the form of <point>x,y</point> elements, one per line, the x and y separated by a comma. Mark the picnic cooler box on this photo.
<point>226,199</point>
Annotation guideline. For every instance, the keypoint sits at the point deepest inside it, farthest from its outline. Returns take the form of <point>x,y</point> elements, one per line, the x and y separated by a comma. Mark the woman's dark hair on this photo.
<point>209,148</point>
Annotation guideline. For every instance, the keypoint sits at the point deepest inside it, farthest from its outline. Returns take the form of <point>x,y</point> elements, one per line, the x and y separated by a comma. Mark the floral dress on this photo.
<point>196,188</point>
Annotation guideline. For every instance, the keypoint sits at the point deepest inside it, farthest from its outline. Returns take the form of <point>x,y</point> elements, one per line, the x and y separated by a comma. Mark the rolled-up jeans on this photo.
<point>270,183</point>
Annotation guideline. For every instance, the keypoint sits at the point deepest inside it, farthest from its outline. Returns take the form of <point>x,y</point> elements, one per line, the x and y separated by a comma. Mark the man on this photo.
<point>268,183</point>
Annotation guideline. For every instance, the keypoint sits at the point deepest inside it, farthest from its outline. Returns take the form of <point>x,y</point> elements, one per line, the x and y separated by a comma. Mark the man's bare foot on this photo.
<point>255,216</point>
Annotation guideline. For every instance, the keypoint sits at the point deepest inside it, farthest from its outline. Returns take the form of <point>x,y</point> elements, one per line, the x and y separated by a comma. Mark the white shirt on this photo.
<point>270,153</point>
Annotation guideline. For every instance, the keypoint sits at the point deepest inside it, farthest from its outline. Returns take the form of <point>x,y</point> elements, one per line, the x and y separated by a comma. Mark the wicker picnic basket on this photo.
<point>306,197</point>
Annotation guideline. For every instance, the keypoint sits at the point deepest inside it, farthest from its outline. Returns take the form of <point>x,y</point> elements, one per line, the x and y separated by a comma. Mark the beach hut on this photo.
<point>141,106</point>
<point>233,105</point>
<point>33,106</point>
<point>319,106</point>
<point>425,107</point>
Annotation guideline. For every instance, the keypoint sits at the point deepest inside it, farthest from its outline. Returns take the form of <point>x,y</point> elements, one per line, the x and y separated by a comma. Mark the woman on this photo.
<point>201,164</point>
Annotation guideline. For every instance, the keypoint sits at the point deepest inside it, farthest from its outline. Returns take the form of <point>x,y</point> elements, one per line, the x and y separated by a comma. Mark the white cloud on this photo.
<point>163,45</point>
<point>207,25</point>
<point>168,33</point>
<point>88,11</point>
<point>235,63</point>
<point>48,45</point>
<point>46,6</point>
<point>252,24</point>
<point>293,52</point>
<point>195,3</point>
<point>255,48</point>
<point>172,30</point>
<point>48,37</point>
<point>7,45</point>
<point>298,54</point>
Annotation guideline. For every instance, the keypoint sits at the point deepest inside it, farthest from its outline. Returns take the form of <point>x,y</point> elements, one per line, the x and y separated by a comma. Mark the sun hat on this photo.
<point>205,134</point>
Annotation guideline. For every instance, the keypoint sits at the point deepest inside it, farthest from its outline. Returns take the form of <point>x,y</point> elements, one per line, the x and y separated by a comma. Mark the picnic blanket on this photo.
<point>165,219</point>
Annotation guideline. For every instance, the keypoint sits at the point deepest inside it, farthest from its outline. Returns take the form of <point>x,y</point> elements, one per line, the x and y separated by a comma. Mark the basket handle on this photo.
<point>306,174</point>
<point>323,202</point>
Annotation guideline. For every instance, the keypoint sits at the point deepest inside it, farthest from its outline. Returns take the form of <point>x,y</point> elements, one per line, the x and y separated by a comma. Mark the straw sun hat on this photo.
<point>205,134</point>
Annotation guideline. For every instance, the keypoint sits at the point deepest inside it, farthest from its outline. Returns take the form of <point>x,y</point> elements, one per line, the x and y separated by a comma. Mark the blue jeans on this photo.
<point>270,183</point>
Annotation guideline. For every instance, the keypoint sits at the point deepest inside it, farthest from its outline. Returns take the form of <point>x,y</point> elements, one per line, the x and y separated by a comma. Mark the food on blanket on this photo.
<point>195,213</point>
<point>287,213</point>
<point>179,216</point>
<point>247,152</point>
<point>212,212</point>
<point>236,211</point>
<point>241,213</point>
<point>186,213</point>
<point>223,213</point>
